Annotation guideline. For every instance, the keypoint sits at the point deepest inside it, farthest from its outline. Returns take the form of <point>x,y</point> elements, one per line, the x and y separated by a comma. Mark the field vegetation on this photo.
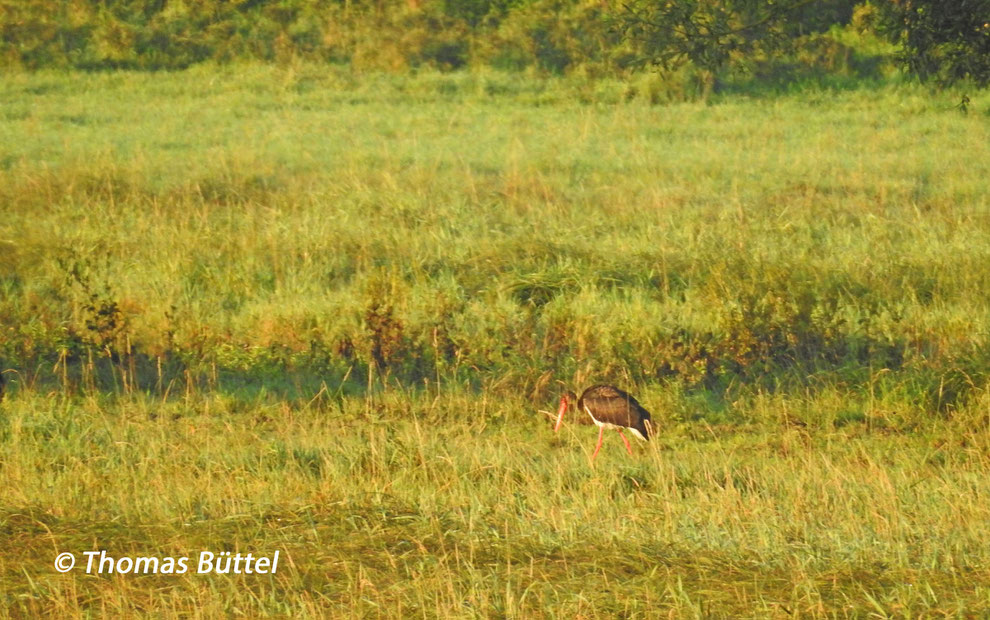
<point>253,307</point>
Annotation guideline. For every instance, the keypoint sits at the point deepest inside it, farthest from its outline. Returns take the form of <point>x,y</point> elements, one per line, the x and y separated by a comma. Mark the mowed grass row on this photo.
<point>386,508</point>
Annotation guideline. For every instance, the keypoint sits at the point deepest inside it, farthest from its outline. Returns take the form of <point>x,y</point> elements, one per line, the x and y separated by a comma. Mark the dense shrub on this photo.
<point>552,36</point>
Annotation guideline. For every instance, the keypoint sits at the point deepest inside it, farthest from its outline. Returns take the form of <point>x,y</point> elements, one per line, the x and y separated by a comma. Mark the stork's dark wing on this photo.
<point>614,406</point>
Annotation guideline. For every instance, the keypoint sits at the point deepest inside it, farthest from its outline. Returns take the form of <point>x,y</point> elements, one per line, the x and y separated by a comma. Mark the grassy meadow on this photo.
<point>249,308</point>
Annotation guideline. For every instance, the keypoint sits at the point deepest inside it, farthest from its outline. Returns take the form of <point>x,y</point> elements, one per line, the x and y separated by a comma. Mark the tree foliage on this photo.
<point>706,33</point>
<point>709,33</point>
<point>945,41</point>
<point>941,40</point>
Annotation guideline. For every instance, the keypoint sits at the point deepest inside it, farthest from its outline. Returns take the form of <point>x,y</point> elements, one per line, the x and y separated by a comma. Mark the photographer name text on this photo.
<point>207,563</point>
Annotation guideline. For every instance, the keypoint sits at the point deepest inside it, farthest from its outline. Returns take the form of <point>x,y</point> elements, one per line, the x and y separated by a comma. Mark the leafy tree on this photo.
<point>941,40</point>
<point>707,33</point>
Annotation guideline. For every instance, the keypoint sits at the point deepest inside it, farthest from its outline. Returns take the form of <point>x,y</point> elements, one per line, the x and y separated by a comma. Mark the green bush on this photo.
<point>549,36</point>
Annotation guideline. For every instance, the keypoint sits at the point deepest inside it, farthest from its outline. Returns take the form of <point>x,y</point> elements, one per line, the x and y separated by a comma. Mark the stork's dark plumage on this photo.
<point>609,407</point>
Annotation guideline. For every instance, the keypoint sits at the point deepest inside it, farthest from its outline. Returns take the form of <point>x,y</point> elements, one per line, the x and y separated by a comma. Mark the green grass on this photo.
<point>249,309</point>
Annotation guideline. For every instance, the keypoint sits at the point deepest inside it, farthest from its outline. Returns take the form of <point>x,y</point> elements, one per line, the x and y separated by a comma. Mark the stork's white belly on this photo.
<point>609,425</point>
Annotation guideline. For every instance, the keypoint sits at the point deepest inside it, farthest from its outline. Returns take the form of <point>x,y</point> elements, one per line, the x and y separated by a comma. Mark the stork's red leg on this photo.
<point>601,435</point>
<point>624,440</point>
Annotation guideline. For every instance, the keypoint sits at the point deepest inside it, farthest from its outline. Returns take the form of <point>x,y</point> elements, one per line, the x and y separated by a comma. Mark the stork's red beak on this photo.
<point>560,413</point>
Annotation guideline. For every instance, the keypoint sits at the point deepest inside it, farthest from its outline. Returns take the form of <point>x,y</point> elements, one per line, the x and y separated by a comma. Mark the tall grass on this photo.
<point>401,511</point>
<point>250,308</point>
<point>262,217</point>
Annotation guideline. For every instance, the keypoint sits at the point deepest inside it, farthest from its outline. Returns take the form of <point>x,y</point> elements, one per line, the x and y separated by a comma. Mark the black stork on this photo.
<point>609,407</point>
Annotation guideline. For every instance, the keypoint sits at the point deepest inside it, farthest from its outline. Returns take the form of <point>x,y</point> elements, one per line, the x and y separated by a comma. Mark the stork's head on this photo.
<point>567,401</point>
